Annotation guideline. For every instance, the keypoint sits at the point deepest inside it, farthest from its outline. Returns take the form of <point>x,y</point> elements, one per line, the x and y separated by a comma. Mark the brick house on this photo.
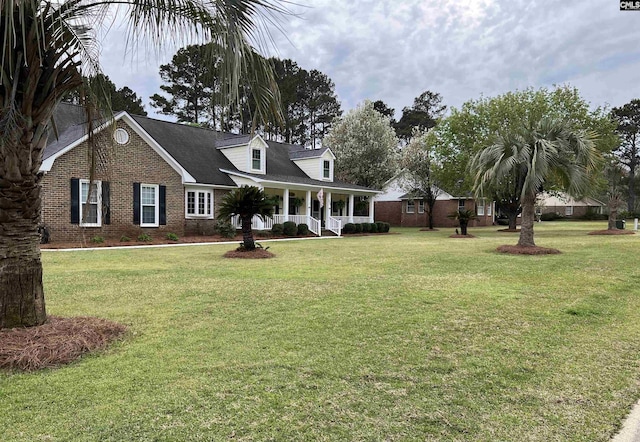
<point>395,206</point>
<point>564,205</point>
<point>159,177</point>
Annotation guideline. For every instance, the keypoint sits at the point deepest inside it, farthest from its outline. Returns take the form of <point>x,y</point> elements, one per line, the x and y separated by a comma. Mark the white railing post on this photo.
<point>327,208</point>
<point>308,203</point>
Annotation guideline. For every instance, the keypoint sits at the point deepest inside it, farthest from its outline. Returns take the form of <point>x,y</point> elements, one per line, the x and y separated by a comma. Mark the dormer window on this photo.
<point>256,159</point>
<point>326,169</point>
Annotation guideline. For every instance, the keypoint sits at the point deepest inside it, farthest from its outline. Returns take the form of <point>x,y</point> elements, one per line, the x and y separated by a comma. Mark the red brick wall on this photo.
<point>393,212</point>
<point>121,165</point>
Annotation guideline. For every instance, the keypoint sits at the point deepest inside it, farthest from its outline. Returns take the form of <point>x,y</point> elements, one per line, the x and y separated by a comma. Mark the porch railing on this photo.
<point>267,224</point>
<point>356,219</point>
<point>334,225</point>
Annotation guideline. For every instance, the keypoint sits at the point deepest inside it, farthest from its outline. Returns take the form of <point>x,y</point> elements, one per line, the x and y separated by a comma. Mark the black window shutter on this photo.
<point>75,201</point>
<point>106,202</point>
<point>136,204</point>
<point>163,205</point>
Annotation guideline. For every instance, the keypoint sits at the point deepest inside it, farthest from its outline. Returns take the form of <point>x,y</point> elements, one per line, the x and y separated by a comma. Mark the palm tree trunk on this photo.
<point>528,218</point>
<point>247,234</point>
<point>21,293</point>
<point>463,227</point>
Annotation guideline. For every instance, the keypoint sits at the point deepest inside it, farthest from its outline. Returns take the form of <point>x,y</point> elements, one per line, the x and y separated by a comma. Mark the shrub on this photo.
<point>349,228</point>
<point>550,217</point>
<point>144,237</point>
<point>373,227</point>
<point>277,229</point>
<point>303,229</point>
<point>358,227</point>
<point>502,221</point>
<point>97,239</point>
<point>366,227</point>
<point>289,228</point>
<point>225,229</point>
<point>380,226</point>
<point>262,234</point>
<point>125,238</point>
<point>387,227</point>
<point>172,237</point>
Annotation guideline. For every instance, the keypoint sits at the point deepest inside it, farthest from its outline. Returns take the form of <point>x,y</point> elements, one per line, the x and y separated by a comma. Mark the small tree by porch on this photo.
<point>246,202</point>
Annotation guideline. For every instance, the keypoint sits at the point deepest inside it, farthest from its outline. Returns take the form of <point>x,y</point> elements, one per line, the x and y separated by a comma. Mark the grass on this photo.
<point>410,336</point>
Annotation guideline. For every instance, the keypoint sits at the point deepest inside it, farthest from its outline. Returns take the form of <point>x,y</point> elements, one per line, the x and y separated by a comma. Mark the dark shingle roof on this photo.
<point>298,152</point>
<point>197,150</point>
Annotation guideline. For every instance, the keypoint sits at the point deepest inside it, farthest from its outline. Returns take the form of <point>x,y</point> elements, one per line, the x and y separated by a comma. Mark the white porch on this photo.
<point>302,206</point>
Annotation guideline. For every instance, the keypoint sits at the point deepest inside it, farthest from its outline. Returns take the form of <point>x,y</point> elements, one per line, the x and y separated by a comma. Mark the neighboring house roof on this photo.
<point>395,190</point>
<point>196,151</point>
<point>443,196</point>
<point>562,199</point>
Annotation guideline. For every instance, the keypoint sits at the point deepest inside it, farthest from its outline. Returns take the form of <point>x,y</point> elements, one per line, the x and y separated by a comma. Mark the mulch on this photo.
<point>612,232</point>
<point>461,236</point>
<point>522,250</point>
<point>257,253</point>
<point>57,342</point>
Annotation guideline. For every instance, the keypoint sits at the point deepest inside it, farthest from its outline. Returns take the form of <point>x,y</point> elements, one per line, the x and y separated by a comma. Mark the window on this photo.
<point>411,208</point>
<point>326,169</point>
<point>121,136</point>
<point>199,203</point>
<point>568,211</point>
<point>90,213</point>
<point>489,209</point>
<point>256,161</point>
<point>421,206</point>
<point>480,209</point>
<point>461,205</point>
<point>149,205</point>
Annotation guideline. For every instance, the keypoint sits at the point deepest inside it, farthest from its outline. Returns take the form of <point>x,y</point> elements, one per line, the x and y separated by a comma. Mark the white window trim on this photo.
<point>413,208</point>
<point>480,209</point>
<point>463,206</point>
<point>263,159</point>
<point>99,203</point>
<point>157,206</point>
<point>490,209</point>
<point>197,192</point>
<point>420,206</point>
<point>568,211</point>
<point>322,177</point>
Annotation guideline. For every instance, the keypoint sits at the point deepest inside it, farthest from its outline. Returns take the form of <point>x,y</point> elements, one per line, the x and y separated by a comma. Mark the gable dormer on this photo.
<point>317,163</point>
<point>246,153</point>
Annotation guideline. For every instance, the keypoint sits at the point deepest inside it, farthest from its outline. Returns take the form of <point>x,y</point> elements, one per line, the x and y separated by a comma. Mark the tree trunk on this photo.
<point>430,204</point>
<point>247,234</point>
<point>613,214</point>
<point>21,293</point>
<point>463,227</point>
<point>513,220</point>
<point>528,218</point>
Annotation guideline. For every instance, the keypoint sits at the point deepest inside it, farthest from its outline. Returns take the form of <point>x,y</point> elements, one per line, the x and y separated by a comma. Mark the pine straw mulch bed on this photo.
<point>522,250</point>
<point>257,253</point>
<point>457,235</point>
<point>612,232</point>
<point>57,342</point>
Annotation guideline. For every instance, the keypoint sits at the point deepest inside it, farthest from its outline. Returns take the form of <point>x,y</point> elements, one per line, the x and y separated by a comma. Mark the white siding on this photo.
<point>310,166</point>
<point>239,157</point>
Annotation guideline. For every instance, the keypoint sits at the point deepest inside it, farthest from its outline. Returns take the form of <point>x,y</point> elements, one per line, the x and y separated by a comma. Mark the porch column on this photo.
<point>327,208</point>
<point>350,211</point>
<point>371,209</point>
<point>285,204</point>
<point>308,203</point>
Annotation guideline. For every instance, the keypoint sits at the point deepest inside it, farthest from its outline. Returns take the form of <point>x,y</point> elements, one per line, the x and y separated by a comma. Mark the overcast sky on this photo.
<point>392,50</point>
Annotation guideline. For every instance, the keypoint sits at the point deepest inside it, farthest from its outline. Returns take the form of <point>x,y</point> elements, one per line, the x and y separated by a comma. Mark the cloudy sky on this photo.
<point>393,50</point>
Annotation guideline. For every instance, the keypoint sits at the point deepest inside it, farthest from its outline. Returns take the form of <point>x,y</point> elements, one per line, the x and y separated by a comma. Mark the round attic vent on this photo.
<point>121,136</point>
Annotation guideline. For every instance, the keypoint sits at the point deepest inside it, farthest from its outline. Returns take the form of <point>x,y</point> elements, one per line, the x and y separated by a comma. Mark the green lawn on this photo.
<point>407,336</point>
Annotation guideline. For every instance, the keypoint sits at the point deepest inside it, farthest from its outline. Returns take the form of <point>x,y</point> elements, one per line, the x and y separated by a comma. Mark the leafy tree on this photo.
<point>365,147</point>
<point>474,127</point>
<point>422,170</point>
<point>424,114</point>
<point>190,84</point>
<point>540,151</point>
<point>627,119</point>
<point>381,107</point>
<point>42,43</point>
<point>123,99</point>
<point>246,202</point>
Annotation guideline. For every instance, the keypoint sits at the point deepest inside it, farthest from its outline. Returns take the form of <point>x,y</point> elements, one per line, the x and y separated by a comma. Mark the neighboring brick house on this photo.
<point>395,206</point>
<point>159,177</point>
<point>563,205</point>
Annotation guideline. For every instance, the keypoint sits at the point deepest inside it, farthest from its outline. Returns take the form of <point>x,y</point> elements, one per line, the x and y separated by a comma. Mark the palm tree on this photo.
<point>547,150</point>
<point>463,216</point>
<point>47,46</point>
<point>246,202</point>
